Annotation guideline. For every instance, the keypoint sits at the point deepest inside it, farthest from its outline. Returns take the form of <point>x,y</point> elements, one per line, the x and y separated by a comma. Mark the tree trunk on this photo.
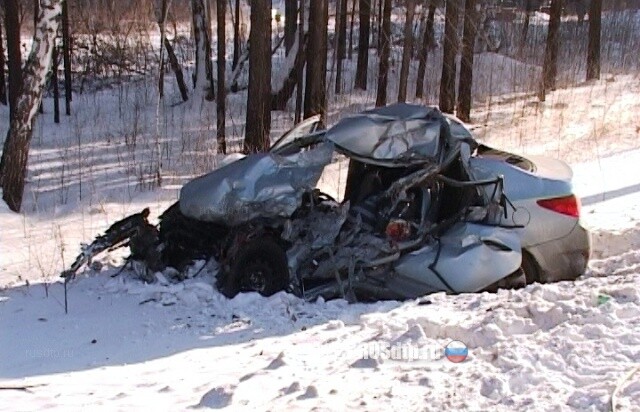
<point>203,74</point>
<point>448,79</point>
<point>36,13</point>
<point>427,42</point>
<point>385,46</point>
<point>362,67</point>
<point>353,12</point>
<point>3,81</point>
<point>342,30</point>
<point>280,98</point>
<point>12,26</point>
<point>380,23</point>
<point>550,69</point>
<point>236,36</point>
<point>162,19</point>
<point>407,51</point>
<point>300,75</point>
<point>221,96</point>
<point>315,98</point>
<point>175,66</point>
<point>593,52</point>
<point>466,64</point>
<point>66,58</point>
<point>258,124</point>
<point>54,82</point>
<point>16,148</point>
<point>290,23</point>
<point>525,27</point>
<point>341,39</point>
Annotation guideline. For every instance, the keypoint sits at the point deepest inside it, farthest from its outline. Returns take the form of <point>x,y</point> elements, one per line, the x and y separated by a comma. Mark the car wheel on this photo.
<point>259,266</point>
<point>530,268</point>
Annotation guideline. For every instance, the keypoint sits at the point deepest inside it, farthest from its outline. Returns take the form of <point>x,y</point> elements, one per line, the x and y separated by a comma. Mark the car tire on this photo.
<point>259,266</point>
<point>530,268</point>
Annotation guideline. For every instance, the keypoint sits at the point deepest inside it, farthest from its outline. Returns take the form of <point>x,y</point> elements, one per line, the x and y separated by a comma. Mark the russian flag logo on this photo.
<point>456,351</point>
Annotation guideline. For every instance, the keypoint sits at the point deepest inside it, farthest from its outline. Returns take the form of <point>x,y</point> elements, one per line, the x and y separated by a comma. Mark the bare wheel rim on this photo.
<point>255,276</point>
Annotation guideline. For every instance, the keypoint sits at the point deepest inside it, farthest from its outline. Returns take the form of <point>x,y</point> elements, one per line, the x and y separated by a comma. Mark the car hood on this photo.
<point>264,185</point>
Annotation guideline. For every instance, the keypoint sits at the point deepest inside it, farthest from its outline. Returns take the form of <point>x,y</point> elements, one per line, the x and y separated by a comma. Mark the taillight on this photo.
<point>567,205</point>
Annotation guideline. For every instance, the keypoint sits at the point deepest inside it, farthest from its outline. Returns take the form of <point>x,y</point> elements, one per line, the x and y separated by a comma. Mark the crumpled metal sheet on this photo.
<point>262,185</point>
<point>392,133</point>
<point>469,257</point>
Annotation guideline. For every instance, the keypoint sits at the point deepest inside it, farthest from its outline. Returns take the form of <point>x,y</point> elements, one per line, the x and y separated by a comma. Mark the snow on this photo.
<point>128,345</point>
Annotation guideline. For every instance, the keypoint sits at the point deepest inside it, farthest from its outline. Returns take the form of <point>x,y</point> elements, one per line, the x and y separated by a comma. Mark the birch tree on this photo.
<point>13,166</point>
<point>3,82</point>
<point>203,75</point>
<point>12,27</point>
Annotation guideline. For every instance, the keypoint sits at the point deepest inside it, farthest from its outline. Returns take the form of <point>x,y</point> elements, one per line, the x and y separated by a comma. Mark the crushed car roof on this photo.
<point>399,133</point>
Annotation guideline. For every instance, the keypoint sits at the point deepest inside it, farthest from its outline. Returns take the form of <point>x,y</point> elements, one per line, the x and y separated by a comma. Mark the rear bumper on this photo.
<point>565,258</point>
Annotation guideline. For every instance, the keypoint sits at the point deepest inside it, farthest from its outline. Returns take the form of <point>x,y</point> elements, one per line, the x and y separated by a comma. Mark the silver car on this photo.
<point>426,209</point>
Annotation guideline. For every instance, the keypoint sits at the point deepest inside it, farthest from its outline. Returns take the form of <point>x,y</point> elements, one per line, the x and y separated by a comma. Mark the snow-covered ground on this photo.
<point>126,345</point>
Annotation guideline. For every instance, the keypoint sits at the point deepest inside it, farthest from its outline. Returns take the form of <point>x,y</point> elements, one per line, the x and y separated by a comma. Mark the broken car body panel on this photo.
<point>395,135</point>
<point>260,185</point>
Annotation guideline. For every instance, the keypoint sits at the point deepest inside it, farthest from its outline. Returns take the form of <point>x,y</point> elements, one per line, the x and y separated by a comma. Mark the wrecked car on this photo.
<point>424,210</point>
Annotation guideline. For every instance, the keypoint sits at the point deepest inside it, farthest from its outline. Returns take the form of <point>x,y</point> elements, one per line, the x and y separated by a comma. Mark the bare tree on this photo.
<point>466,64</point>
<point>427,43</point>
<point>353,13</point>
<point>341,39</point>
<point>593,52</point>
<point>448,80</point>
<point>13,166</point>
<point>12,27</point>
<point>66,57</point>
<point>407,51</point>
<point>177,70</point>
<point>258,124</point>
<point>300,73</point>
<point>385,46</point>
<point>162,19</point>
<point>550,69</point>
<point>54,82</point>
<point>236,36</point>
<point>279,98</point>
<point>529,8</point>
<point>203,74</point>
<point>221,96</point>
<point>362,65</point>
<point>3,81</point>
<point>315,97</point>
<point>290,23</point>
